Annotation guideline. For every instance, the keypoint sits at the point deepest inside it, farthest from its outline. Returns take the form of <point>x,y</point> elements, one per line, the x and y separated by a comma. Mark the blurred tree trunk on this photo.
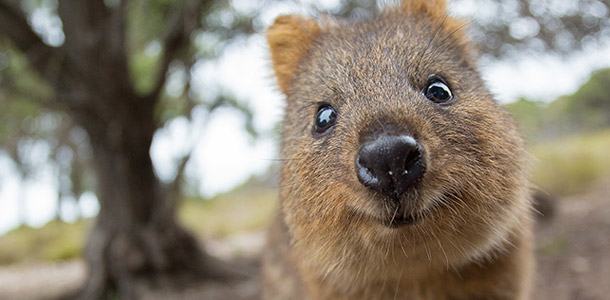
<point>135,244</point>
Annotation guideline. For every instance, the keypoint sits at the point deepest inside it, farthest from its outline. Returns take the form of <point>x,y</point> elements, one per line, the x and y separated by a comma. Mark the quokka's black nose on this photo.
<point>390,164</point>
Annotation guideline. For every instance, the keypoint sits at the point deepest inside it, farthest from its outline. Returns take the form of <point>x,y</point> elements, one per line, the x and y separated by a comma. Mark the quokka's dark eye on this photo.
<point>437,91</point>
<point>325,119</point>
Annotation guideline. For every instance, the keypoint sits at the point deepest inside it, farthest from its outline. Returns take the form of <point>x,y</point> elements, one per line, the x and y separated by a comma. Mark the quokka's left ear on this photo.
<point>290,38</point>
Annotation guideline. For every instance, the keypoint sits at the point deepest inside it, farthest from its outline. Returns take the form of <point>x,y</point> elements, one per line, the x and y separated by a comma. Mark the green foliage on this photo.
<point>145,27</point>
<point>527,116</point>
<point>142,66</point>
<point>21,94</point>
<point>588,109</point>
<point>29,118</point>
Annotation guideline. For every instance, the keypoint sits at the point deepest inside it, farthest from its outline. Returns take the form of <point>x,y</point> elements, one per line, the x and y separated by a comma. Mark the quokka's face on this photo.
<point>388,123</point>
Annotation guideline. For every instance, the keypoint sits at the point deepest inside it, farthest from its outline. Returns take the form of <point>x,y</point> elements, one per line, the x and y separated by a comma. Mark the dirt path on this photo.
<point>573,254</point>
<point>574,249</point>
<point>45,281</point>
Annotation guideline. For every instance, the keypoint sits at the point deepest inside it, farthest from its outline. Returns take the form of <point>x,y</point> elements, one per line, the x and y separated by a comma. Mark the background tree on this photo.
<point>96,71</point>
<point>564,27</point>
<point>36,136</point>
<point>507,28</point>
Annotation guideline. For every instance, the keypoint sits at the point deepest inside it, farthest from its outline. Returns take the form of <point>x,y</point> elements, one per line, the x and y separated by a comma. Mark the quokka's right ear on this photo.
<point>290,38</point>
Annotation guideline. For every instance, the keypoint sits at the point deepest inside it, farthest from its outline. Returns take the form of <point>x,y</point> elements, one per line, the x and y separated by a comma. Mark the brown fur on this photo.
<point>293,35</point>
<point>473,240</point>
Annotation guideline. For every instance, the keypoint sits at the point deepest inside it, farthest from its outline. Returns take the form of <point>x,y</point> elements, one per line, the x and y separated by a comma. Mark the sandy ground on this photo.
<point>573,251</point>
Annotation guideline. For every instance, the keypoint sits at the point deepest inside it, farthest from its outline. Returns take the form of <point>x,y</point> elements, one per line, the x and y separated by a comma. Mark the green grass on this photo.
<point>245,209</point>
<point>55,241</point>
<point>570,165</point>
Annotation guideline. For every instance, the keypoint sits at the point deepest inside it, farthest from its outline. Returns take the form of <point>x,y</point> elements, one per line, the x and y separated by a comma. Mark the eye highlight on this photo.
<point>325,118</point>
<point>438,92</point>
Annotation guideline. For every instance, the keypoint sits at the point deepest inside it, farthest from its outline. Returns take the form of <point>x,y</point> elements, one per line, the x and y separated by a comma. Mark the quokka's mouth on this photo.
<point>400,221</point>
<point>405,211</point>
<point>390,218</point>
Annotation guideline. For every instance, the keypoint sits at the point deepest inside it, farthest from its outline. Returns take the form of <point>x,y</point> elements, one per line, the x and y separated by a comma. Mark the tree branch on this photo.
<point>116,33</point>
<point>83,24</point>
<point>180,27</point>
<point>14,25</point>
<point>48,61</point>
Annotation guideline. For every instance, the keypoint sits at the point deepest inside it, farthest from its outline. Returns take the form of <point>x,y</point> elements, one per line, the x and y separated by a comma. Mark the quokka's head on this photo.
<point>389,129</point>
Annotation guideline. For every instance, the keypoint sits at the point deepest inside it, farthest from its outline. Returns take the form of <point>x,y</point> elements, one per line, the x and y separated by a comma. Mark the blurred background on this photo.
<point>75,75</point>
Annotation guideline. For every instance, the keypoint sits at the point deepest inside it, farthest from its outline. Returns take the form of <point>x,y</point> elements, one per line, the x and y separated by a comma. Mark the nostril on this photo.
<point>361,162</point>
<point>366,175</point>
<point>411,160</point>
